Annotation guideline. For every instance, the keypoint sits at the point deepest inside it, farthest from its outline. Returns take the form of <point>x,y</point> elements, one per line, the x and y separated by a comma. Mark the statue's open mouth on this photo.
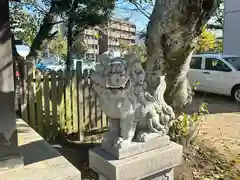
<point>122,86</point>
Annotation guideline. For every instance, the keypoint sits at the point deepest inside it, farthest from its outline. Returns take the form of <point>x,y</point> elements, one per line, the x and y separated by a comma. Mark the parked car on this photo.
<point>216,73</point>
<point>87,64</point>
<point>40,66</point>
<point>49,64</point>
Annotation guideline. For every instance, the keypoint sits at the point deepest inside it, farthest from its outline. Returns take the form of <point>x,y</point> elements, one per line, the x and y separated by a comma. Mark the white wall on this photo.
<point>231,33</point>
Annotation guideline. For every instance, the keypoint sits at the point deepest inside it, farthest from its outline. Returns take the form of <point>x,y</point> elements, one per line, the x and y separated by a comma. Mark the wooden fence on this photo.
<point>51,103</point>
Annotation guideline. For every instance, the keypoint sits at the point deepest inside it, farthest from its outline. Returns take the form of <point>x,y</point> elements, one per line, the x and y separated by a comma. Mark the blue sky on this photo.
<point>128,10</point>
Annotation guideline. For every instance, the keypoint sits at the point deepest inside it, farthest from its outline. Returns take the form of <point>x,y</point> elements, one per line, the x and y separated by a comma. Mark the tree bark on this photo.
<point>172,34</point>
<point>70,35</point>
<point>44,32</point>
<point>69,43</point>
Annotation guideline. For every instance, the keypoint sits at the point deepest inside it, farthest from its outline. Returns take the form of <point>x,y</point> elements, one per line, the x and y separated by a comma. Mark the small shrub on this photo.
<point>186,127</point>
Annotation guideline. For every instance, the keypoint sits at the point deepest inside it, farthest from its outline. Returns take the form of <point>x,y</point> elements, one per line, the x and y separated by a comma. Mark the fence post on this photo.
<point>31,97</point>
<point>47,117</point>
<point>54,103</point>
<point>92,110</point>
<point>74,102</point>
<point>68,103</point>
<point>39,113</point>
<point>86,104</point>
<point>24,95</point>
<point>80,100</point>
<point>61,101</point>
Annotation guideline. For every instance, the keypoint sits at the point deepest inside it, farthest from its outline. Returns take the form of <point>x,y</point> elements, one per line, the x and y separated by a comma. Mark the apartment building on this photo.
<point>100,39</point>
<point>231,31</point>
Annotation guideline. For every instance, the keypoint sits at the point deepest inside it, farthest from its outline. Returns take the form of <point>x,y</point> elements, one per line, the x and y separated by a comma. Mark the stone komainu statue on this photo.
<point>121,87</point>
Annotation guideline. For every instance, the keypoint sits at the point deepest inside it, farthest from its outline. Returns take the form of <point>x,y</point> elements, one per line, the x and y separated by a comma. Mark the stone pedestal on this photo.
<point>155,164</point>
<point>9,152</point>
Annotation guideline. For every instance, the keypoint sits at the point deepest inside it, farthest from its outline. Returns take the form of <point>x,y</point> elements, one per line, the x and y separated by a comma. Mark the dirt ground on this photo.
<point>215,155</point>
<point>221,127</point>
<point>216,152</point>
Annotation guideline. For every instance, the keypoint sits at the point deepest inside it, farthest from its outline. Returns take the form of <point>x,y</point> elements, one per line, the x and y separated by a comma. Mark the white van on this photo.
<point>216,73</point>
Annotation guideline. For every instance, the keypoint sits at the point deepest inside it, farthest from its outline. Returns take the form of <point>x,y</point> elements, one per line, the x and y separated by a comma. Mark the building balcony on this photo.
<point>91,41</point>
<point>115,26</point>
<point>125,28</point>
<point>91,32</point>
<point>114,34</point>
<point>129,37</point>
<point>92,51</point>
<point>113,43</point>
<point>132,29</point>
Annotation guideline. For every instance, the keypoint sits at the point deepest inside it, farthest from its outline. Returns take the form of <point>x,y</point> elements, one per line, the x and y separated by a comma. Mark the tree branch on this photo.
<point>142,10</point>
<point>77,32</point>
<point>43,33</point>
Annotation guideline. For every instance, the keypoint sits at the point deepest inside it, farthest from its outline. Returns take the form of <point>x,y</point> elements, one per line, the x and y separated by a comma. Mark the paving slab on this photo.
<point>41,160</point>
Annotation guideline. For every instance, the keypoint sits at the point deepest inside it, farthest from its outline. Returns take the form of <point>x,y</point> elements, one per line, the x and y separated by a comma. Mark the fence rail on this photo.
<point>53,103</point>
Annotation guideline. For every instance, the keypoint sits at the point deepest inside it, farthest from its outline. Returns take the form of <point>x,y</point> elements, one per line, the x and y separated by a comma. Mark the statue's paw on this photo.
<point>120,143</point>
<point>105,139</point>
<point>134,106</point>
<point>170,124</point>
<point>165,131</point>
<point>142,137</point>
<point>169,111</point>
<point>165,119</point>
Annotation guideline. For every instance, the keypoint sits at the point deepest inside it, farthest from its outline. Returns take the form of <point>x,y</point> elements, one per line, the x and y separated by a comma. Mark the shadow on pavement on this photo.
<point>37,151</point>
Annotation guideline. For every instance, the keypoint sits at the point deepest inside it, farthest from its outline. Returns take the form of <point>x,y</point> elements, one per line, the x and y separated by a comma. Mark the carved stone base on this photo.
<point>156,164</point>
<point>136,147</point>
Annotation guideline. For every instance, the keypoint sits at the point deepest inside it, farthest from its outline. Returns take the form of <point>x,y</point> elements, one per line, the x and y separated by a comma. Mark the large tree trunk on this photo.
<point>172,34</point>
